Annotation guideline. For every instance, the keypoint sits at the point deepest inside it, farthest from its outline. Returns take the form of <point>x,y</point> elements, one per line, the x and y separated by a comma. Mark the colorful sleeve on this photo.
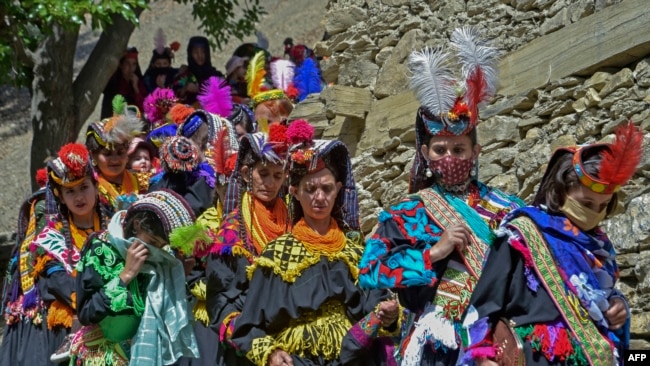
<point>397,255</point>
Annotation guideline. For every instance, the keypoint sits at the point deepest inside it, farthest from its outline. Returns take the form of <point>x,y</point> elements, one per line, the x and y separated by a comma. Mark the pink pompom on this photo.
<point>300,131</point>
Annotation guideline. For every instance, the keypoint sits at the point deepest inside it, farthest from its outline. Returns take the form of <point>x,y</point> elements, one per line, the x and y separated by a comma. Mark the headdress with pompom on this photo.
<point>157,104</point>
<point>222,153</point>
<point>117,130</point>
<point>258,89</point>
<point>71,166</point>
<point>179,154</point>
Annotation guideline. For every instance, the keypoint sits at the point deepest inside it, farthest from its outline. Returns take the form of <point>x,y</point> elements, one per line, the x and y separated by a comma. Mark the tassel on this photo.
<point>59,314</point>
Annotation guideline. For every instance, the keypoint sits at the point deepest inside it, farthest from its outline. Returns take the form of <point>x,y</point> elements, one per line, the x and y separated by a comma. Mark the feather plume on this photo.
<point>187,239</point>
<point>623,156</point>
<point>219,150</point>
<point>157,104</point>
<point>263,125</point>
<point>160,41</point>
<point>255,74</point>
<point>307,79</point>
<point>282,72</point>
<point>122,129</point>
<point>478,66</point>
<point>216,97</point>
<point>432,80</point>
<point>119,104</point>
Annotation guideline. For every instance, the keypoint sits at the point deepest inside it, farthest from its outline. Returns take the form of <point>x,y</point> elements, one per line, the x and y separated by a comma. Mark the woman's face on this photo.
<point>200,138</point>
<point>456,146</point>
<point>267,179</point>
<point>111,163</point>
<point>80,199</point>
<point>128,67</point>
<point>150,239</point>
<point>240,131</point>
<point>262,111</point>
<point>161,63</point>
<point>198,54</point>
<point>317,194</point>
<point>588,198</point>
<point>140,160</point>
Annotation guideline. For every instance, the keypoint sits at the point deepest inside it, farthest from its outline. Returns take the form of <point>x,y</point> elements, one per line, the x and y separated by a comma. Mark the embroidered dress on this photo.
<point>115,196</point>
<point>312,302</point>
<point>556,282</point>
<point>41,306</point>
<point>227,283</point>
<point>435,295</point>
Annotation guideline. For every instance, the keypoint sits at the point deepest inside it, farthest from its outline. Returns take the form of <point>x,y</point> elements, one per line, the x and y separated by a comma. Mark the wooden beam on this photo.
<point>614,36</point>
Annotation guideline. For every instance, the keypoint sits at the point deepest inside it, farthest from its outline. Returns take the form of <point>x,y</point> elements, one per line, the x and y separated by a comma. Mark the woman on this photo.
<point>108,142</point>
<point>41,305</point>
<point>430,246</point>
<point>270,105</point>
<point>255,214</point>
<point>555,266</point>
<point>125,273</point>
<point>126,81</point>
<point>243,120</point>
<point>160,73</point>
<point>308,276</point>
<point>199,69</point>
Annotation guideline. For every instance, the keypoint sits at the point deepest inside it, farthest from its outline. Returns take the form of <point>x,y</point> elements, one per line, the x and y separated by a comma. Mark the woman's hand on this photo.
<point>388,312</point>
<point>135,257</point>
<point>280,358</point>
<point>616,314</point>
<point>454,237</point>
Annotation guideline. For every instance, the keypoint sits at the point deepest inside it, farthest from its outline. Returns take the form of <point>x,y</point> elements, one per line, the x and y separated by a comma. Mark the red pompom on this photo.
<point>278,137</point>
<point>179,113</point>
<point>41,177</point>
<point>175,46</point>
<point>75,158</point>
<point>292,92</point>
<point>300,131</point>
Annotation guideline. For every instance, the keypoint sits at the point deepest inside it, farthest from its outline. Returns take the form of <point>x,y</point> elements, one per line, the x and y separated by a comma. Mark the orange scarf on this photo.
<point>108,190</point>
<point>263,224</point>
<point>79,236</point>
<point>328,244</point>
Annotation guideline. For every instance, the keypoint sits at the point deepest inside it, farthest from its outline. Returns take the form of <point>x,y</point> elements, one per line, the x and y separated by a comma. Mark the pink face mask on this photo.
<point>451,170</point>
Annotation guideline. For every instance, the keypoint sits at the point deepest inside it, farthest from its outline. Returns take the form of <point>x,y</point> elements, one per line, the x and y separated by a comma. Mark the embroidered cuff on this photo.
<point>117,294</point>
<point>262,349</point>
<point>426,257</point>
<point>227,327</point>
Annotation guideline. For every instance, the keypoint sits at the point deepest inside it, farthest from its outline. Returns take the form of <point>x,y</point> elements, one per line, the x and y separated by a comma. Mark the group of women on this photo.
<point>258,234</point>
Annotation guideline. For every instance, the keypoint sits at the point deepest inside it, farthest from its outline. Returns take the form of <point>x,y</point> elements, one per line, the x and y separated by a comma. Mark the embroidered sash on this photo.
<point>53,242</point>
<point>595,346</point>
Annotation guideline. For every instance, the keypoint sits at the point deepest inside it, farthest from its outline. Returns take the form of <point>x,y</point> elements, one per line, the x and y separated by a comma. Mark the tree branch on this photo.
<point>99,67</point>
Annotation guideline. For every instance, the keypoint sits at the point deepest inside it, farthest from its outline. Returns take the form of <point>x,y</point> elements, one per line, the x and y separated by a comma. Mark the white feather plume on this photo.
<point>282,72</point>
<point>432,80</point>
<point>160,41</point>
<point>473,53</point>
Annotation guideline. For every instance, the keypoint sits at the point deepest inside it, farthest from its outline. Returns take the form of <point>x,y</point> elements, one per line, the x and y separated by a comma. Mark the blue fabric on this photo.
<point>571,247</point>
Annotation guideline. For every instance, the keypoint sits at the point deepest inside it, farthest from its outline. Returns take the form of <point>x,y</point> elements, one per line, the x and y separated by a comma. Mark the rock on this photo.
<point>329,70</point>
<point>313,110</point>
<point>489,171</point>
<point>632,229</point>
<point>598,80</point>
<point>394,194</point>
<point>340,20</point>
<point>523,101</point>
<point>358,73</point>
<point>505,182</point>
<point>392,77</point>
<point>530,122</point>
<point>642,273</point>
<point>504,156</point>
<point>622,79</point>
<point>366,164</point>
<point>640,324</point>
<point>642,73</point>
<point>347,101</point>
<point>590,99</point>
<point>388,117</point>
<point>383,55</point>
<point>498,128</point>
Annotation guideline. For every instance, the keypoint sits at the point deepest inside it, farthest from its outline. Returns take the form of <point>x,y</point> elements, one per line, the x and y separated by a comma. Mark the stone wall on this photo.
<point>371,111</point>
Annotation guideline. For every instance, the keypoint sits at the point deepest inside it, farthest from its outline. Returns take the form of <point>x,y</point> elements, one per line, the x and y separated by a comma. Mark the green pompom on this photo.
<point>184,238</point>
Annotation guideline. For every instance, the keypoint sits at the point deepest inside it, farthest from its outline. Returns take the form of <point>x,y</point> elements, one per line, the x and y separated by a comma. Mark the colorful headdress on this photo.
<point>116,130</point>
<point>179,154</point>
<point>258,89</point>
<point>282,74</point>
<point>222,152</point>
<point>239,112</point>
<point>71,166</point>
<point>161,50</point>
<point>307,156</point>
<point>254,147</point>
<point>195,120</point>
<point>158,135</point>
<point>449,105</point>
<point>216,96</point>
<point>157,104</point>
<point>620,160</point>
<point>307,79</point>
<point>172,210</point>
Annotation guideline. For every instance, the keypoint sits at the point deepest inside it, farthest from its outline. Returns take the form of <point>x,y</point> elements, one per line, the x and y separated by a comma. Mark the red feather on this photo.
<point>476,92</point>
<point>219,151</point>
<point>75,158</point>
<point>621,160</point>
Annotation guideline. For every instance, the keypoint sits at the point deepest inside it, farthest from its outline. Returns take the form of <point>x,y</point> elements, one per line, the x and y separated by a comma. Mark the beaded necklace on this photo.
<point>328,244</point>
<point>263,224</point>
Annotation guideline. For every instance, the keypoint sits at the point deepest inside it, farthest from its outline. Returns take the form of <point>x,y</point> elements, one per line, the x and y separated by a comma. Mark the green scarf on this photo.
<point>165,332</point>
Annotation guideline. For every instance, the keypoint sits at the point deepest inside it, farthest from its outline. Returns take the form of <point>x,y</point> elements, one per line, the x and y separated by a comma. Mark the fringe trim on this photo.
<point>59,314</point>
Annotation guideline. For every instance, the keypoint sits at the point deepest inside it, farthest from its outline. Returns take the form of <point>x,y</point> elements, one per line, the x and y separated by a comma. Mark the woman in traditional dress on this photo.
<point>255,214</point>
<point>430,246</point>
<point>131,288</point>
<point>108,142</point>
<point>556,268</point>
<point>40,308</point>
<point>308,277</point>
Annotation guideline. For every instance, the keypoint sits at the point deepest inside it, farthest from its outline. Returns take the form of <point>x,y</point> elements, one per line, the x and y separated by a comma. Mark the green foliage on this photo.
<point>220,19</point>
<point>28,21</point>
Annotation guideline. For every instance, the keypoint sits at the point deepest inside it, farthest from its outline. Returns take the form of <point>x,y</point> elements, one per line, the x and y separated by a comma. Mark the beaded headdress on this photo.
<point>449,104</point>
<point>71,166</point>
<point>308,156</point>
<point>117,130</point>
<point>172,210</point>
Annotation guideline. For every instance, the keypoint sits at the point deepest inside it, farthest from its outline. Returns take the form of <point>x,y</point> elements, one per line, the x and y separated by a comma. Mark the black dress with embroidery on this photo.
<point>305,303</point>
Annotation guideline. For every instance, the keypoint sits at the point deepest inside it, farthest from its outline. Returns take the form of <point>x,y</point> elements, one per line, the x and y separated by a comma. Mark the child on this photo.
<point>125,273</point>
<point>142,161</point>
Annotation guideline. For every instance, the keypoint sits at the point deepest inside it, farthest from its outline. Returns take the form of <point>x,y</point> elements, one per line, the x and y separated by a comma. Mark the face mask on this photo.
<point>581,216</point>
<point>451,170</point>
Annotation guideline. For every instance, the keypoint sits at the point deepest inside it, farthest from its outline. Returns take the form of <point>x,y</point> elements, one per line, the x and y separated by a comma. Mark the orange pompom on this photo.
<point>179,113</point>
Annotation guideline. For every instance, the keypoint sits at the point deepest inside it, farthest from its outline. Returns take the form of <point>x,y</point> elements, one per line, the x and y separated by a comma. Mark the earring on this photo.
<point>428,173</point>
<point>474,172</point>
